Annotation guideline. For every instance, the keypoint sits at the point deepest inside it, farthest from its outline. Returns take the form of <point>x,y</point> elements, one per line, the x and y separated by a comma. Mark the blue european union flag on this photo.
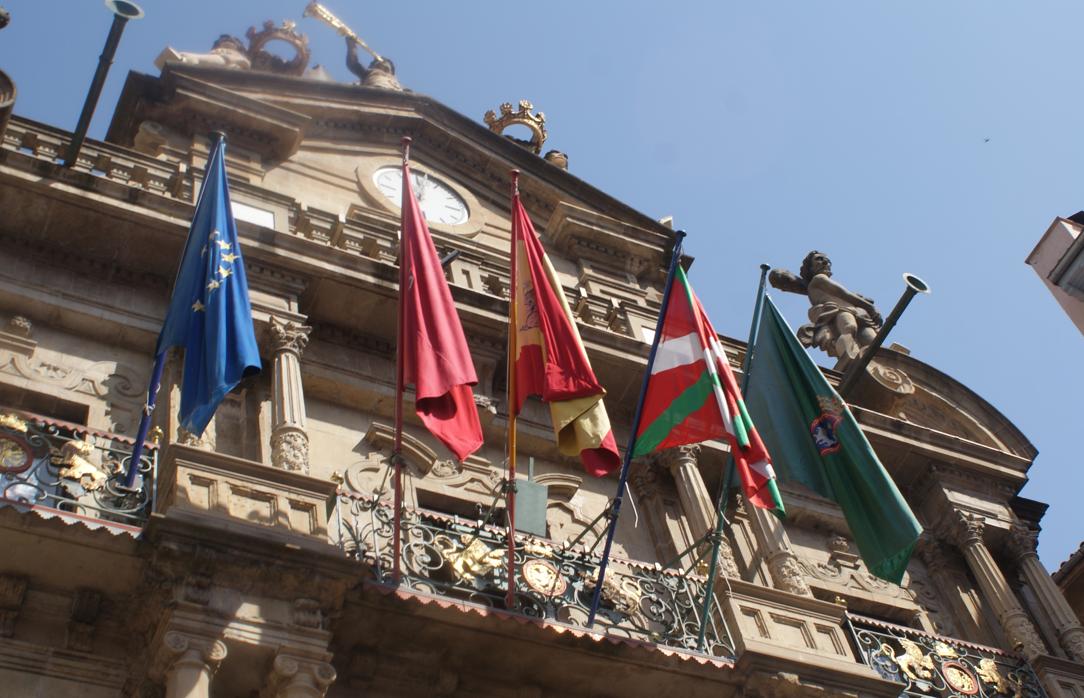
<point>209,314</point>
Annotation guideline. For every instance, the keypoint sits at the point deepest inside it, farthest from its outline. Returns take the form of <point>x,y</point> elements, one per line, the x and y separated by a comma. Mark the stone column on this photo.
<point>967,530</point>
<point>289,440</point>
<point>696,503</point>
<point>1022,544</point>
<point>298,677</point>
<point>188,663</point>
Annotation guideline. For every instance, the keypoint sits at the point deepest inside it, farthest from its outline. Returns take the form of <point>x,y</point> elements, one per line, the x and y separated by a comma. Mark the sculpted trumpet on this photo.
<point>315,9</point>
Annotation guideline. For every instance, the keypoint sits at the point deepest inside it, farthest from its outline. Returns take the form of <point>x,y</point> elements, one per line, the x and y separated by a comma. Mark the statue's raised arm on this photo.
<point>842,323</point>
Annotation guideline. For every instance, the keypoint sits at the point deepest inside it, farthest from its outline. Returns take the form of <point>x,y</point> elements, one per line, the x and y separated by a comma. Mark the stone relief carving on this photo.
<point>117,385</point>
<point>787,573</point>
<point>20,325</point>
<point>290,450</point>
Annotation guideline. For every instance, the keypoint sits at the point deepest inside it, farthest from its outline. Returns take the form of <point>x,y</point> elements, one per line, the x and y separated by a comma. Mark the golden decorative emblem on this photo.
<point>74,457</point>
<point>914,662</point>
<point>945,651</point>
<point>544,578</point>
<point>960,678</point>
<point>15,455</point>
<point>12,422</point>
<point>991,676</point>
<point>534,547</point>
<point>535,123</point>
<point>474,561</point>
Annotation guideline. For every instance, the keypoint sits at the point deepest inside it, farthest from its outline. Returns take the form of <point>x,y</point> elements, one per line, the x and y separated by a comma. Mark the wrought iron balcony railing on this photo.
<point>71,468</point>
<point>929,665</point>
<point>466,560</point>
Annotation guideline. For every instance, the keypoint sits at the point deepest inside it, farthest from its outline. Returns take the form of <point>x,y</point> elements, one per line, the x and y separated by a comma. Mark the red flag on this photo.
<point>551,361</point>
<point>434,352</point>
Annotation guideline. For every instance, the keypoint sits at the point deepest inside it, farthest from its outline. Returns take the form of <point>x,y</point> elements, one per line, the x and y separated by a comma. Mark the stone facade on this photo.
<point>260,566</point>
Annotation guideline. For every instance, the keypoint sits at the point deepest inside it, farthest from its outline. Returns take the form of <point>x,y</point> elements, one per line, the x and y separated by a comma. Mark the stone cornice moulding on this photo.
<point>581,232</point>
<point>195,107</point>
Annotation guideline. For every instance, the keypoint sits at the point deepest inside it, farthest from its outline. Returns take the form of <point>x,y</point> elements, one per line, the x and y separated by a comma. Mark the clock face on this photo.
<point>439,202</point>
<point>14,455</point>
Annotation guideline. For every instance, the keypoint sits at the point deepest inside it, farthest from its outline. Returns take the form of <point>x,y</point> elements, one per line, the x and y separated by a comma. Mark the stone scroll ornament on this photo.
<point>842,323</point>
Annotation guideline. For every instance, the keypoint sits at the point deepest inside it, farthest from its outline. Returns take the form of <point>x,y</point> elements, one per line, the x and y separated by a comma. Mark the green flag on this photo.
<point>815,440</point>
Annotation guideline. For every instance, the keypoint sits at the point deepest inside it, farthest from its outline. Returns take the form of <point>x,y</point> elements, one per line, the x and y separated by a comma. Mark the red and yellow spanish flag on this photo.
<point>550,359</point>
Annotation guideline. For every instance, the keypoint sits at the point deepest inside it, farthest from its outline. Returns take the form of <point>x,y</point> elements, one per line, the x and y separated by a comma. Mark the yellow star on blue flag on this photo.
<point>209,314</point>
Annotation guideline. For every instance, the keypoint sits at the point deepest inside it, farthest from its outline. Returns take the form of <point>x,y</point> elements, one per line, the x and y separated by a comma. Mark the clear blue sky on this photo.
<point>766,129</point>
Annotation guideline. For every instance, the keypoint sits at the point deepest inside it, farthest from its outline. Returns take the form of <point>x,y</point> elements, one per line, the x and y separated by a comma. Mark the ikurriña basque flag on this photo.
<point>209,314</point>
<point>692,396</point>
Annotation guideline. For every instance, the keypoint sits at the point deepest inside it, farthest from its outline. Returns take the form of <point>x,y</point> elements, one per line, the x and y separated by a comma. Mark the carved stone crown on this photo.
<point>535,122</point>
<point>267,61</point>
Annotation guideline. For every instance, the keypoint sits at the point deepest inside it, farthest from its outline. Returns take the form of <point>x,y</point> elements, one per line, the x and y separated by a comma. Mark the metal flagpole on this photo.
<point>145,420</point>
<point>400,371</point>
<point>510,485</point>
<point>160,360</point>
<point>615,509</point>
<point>720,504</point>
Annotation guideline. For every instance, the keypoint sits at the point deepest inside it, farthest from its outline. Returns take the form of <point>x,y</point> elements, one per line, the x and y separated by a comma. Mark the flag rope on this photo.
<point>513,408</point>
<point>720,503</point>
<point>615,507</point>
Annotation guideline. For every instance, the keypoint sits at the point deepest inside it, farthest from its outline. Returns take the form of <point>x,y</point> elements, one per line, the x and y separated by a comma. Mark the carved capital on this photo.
<point>965,529</point>
<point>180,649</point>
<point>294,676</point>
<point>290,450</point>
<point>645,480</point>
<point>763,684</point>
<point>673,458</point>
<point>1023,542</point>
<point>287,336</point>
<point>937,556</point>
<point>787,573</point>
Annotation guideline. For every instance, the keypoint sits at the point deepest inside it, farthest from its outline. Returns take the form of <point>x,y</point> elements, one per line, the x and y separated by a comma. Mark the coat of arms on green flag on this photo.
<point>815,440</point>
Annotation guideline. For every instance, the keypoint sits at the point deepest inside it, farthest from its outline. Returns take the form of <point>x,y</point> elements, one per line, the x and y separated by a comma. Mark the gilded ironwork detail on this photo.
<point>929,665</point>
<point>466,560</point>
<point>543,577</point>
<point>73,469</point>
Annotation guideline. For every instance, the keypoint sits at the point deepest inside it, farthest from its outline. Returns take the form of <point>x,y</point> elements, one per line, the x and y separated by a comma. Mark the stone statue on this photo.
<point>227,52</point>
<point>380,73</point>
<point>842,323</point>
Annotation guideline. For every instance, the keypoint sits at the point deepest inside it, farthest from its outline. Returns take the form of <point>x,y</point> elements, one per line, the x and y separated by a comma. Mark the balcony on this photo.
<point>930,665</point>
<point>56,467</point>
<point>451,557</point>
